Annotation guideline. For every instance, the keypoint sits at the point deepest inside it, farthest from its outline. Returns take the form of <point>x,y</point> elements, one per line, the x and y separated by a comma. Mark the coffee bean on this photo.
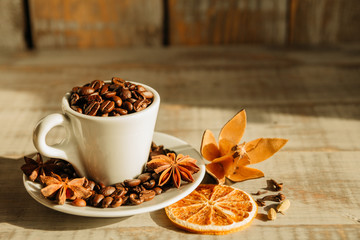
<point>77,109</point>
<point>99,186</point>
<point>117,80</point>
<point>136,199</point>
<point>106,202</point>
<point>86,90</point>
<point>97,199</point>
<point>131,100</point>
<point>120,111</point>
<point>104,89</point>
<point>147,195</point>
<point>117,202</point>
<point>149,184</point>
<point>114,114</point>
<point>107,106</point>
<point>139,105</point>
<point>94,97</point>
<point>125,94</point>
<point>140,88</point>
<point>96,84</point>
<point>89,184</point>
<point>75,89</point>
<point>79,202</point>
<point>119,192</point>
<point>132,182</point>
<point>92,109</point>
<point>132,87</point>
<point>109,94</point>
<point>117,101</point>
<point>157,190</point>
<point>128,106</point>
<point>74,98</point>
<point>137,95</point>
<point>148,94</point>
<point>144,177</point>
<point>107,191</point>
<point>155,176</point>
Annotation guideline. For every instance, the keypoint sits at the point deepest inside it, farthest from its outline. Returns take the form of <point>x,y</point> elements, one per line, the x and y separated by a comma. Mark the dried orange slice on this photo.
<point>213,209</point>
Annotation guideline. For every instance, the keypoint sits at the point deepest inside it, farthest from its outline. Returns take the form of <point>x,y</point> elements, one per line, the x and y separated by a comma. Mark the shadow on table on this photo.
<point>18,208</point>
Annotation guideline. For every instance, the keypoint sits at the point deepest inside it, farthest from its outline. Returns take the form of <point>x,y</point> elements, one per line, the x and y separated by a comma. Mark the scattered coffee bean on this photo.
<point>117,202</point>
<point>144,177</point>
<point>157,190</point>
<point>96,201</point>
<point>106,202</point>
<point>107,191</point>
<point>149,184</point>
<point>79,202</point>
<point>136,199</point>
<point>132,182</point>
<point>147,195</point>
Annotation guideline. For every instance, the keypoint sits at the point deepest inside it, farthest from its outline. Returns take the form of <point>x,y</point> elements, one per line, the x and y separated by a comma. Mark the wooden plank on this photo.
<point>12,25</point>
<point>93,23</point>
<point>227,22</point>
<point>314,22</point>
<point>329,22</point>
<point>349,30</point>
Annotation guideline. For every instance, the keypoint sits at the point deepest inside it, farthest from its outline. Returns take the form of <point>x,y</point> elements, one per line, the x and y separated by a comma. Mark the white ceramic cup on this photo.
<point>104,149</point>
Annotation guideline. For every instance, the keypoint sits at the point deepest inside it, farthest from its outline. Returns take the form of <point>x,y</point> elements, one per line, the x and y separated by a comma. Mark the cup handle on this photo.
<point>64,150</point>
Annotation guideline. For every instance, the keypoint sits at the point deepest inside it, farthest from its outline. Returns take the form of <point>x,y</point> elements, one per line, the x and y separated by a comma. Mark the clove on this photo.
<point>275,198</point>
<point>272,185</point>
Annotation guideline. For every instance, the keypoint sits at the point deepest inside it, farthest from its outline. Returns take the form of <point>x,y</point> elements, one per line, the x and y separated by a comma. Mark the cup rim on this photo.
<point>156,102</point>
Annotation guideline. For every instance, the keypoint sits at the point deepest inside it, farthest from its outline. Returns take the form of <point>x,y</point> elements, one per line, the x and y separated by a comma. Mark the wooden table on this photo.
<point>310,97</point>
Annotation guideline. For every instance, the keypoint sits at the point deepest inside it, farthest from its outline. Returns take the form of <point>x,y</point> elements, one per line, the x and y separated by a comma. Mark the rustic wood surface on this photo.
<point>322,22</point>
<point>82,24</point>
<point>309,97</point>
<point>93,23</point>
<point>227,22</point>
<point>12,25</point>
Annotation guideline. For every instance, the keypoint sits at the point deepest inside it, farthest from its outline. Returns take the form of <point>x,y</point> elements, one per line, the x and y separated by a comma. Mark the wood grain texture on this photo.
<point>93,23</point>
<point>12,25</point>
<point>227,22</point>
<point>349,30</point>
<point>323,22</point>
<point>308,97</point>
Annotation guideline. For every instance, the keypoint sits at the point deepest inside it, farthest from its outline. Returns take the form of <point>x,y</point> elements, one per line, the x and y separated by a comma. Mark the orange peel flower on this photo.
<point>229,159</point>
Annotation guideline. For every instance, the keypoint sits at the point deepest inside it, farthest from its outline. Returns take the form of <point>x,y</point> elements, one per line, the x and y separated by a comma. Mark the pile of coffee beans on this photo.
<point>130,192</point>
<point>135,191</point>
<point>117,98</point>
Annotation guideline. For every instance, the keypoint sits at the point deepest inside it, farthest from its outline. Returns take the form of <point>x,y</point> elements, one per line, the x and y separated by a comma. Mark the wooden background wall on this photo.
<point>45,24</point>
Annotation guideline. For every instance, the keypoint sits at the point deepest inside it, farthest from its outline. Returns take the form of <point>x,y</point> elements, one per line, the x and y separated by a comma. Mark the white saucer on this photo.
<point>160,201</point>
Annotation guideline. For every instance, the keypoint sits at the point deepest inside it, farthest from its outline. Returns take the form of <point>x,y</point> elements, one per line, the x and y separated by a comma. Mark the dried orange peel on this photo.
<point>229,159</point>
<point>213,209</point>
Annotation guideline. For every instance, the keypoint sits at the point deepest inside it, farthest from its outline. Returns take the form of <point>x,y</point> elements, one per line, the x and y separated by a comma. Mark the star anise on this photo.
<point>63,189</point>
<point>173,167</point>
<point>35,168</point>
